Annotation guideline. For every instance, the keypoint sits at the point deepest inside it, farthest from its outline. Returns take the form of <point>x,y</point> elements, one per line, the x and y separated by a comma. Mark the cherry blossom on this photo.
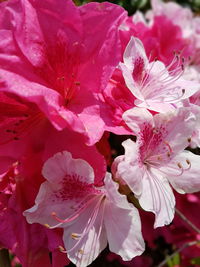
<point>89,216</point>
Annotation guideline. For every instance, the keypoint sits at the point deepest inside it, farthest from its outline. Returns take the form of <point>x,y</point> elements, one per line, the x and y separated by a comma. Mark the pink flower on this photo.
<point>119,99</point>
<point>16,194</point>
<point>25,130</point>
<point>89,216</point>
<point>61,70</point>
<point>157,160</point>
<point>155,86</point>
<point>155,39</point>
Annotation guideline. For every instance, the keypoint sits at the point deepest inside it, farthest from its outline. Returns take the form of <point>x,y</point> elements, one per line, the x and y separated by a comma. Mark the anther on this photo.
<point>81,251</point>
<point>16,138</point>
<point>47,225</point>
<point>74,236</point>
<point>77,83</point>
<point>188,162</point>
<point>189,139</point>
<point>168,154</point>
<point>62,249</point>
<point>61,78</point>
<point>179,165</point>
<point>183,91</point>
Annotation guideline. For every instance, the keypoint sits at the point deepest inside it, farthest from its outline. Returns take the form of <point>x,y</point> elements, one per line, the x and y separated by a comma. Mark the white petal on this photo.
<point>188,179</point>
<point>157,197</point>
<point>123,229</point>
<point>134,50</point>
<point>178,126</point>
<point>127,74</point>
<point>136,117</point>
<point>84,251</point>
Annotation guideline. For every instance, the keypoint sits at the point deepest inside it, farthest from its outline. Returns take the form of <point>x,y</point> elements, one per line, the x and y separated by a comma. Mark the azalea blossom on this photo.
<point>158,159</point>
<point>155,86</point>
<point>89,216</point>
<point>62,70</point>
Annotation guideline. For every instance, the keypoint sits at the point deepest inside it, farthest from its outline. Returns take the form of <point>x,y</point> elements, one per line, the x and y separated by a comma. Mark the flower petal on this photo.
<point>185,179</point>
<point>157,197</point>
<point>84,249</point>
<point>122,223</point>
<point>136,117</point>
<point>62,164</point>
<point>123,228</point>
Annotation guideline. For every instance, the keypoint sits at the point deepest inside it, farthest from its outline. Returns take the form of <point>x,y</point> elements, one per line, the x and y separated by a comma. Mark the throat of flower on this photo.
<point>19,127</point>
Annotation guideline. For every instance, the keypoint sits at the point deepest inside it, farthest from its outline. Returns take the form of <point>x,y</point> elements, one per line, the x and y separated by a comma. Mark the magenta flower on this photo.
<point>155,86</point>
<point>89,216</point>
<point>157,160</point>
<point>60,65</point>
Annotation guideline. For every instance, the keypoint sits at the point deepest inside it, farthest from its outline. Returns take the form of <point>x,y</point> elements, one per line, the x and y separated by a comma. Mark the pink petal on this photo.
<point>62,164</point>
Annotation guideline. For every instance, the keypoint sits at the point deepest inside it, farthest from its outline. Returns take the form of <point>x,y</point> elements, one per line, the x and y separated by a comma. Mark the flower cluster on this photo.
<point>69,77</point>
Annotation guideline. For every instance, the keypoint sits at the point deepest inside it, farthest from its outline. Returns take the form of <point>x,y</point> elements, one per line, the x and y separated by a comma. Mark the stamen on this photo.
<point>168,154</point>
<point>168,146</point>
<point>62,249</point>
<point>76,214</point>
<point>47,225</point>
<point>188,162</point>
<point>90,223</point>
<point>81,251</point>
<point>75,236</point>
<point>179,165</point>
<point>77,83</point>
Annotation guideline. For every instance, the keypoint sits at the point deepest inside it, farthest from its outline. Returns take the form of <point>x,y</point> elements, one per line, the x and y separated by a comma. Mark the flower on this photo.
<point>62,70</point>
<point>157,160</point>
<point>155,86</point>
<point>89,216</point>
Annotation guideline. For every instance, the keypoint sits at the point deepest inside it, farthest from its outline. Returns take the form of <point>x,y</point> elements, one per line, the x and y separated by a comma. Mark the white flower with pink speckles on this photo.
<point>157,160</point>
<point>154,85</point>
<point>90,216</point>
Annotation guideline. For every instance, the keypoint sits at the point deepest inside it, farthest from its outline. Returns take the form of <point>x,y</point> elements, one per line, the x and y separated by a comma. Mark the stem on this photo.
<point>4,258</point>
<point>185,219</point>
<point>169,257</point>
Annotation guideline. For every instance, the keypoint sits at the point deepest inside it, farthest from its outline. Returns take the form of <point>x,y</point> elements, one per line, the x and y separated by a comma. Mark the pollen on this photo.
<point>62,249</point>
<point>47,225</point>
<point>77,83</point>
<point>168,154</point>
<point>179,165</point>
<point>81,251</point>
<point>188,162</point>
<point>74,236</point>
